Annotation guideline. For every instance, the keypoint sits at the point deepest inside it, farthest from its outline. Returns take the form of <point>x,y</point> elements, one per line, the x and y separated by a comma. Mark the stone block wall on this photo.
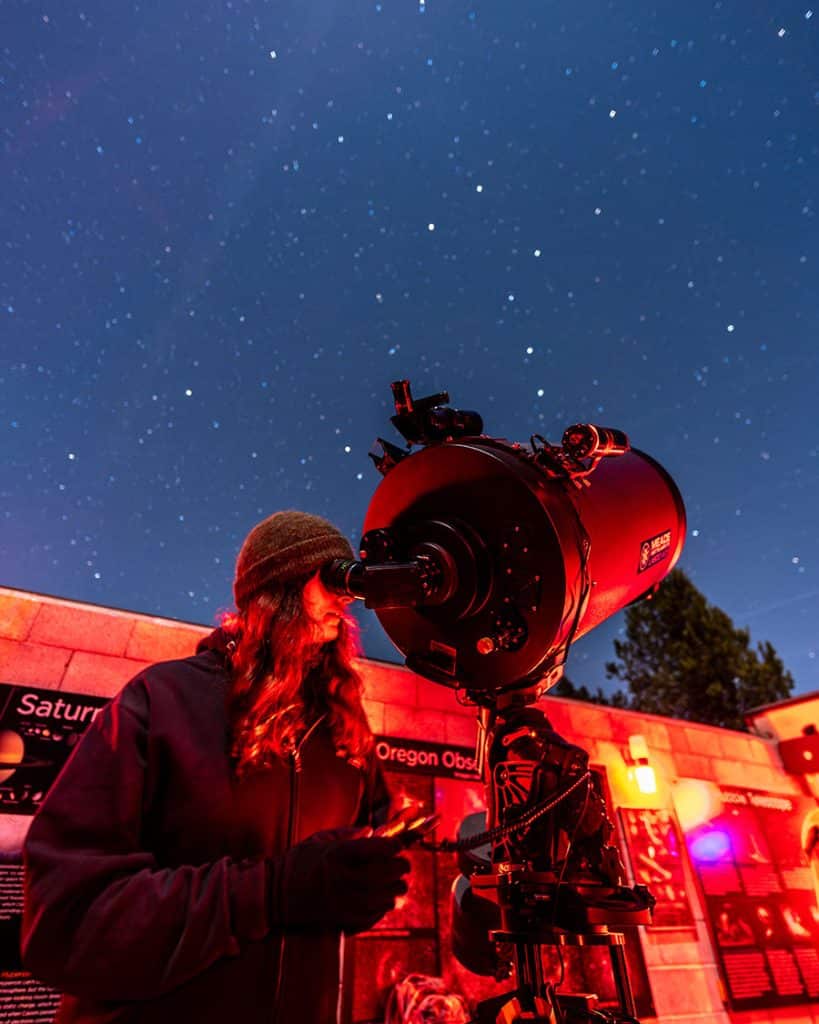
<point>49,642</point>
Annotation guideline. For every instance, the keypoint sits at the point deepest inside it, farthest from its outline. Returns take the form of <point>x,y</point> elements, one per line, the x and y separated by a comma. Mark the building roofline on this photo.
<point>789,702</point>
<point>71,602</point>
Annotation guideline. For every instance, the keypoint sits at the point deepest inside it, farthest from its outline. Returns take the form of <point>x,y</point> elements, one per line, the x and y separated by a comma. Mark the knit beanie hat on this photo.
<point>283,547</point>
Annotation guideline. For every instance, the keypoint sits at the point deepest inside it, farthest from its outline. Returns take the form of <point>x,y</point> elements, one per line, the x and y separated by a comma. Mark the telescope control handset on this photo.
<point>409,825</point>
<point>484,559</point>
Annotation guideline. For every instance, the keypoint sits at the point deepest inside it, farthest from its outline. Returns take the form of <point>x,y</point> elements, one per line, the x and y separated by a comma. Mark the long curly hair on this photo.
<point>282,681</point>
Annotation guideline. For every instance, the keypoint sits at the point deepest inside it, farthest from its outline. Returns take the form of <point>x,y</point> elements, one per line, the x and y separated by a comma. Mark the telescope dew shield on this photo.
<point>531,561</point>
<point>632,507</point>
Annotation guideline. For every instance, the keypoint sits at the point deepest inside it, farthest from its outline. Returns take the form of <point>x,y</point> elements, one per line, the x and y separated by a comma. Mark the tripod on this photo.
<point>537,1000</point>
<point>543,874</point>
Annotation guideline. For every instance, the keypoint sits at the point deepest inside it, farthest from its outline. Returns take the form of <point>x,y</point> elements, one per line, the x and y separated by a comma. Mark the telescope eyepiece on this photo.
<point>337,575</point>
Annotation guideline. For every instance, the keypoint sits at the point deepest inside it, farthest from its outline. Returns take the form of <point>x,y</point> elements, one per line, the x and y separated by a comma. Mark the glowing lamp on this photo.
<point>696,801</point>
<point>710,846</point>
<point>644,774</point>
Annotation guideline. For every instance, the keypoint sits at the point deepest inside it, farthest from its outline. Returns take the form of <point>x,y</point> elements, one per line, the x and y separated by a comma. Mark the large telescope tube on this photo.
<point>497,563</point>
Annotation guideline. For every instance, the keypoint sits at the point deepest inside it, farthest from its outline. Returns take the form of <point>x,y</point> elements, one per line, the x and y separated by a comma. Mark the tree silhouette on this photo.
<point>683,657</point>
<point>566,688</point>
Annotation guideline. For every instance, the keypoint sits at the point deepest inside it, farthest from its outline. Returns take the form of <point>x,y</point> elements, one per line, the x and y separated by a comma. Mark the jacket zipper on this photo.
<point>292,824</point>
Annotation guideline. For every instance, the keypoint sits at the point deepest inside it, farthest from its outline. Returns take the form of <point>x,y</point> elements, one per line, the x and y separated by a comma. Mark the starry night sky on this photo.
<point>226,227</point>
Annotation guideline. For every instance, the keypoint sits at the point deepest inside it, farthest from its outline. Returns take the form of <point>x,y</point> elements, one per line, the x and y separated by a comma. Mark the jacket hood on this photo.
<point>216,641</point>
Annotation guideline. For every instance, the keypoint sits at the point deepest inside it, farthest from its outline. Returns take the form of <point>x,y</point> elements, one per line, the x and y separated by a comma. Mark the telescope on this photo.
<point>484,559</point>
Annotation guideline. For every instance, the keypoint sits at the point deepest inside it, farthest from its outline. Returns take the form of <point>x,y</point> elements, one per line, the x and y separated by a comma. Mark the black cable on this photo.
<point>502,831</point>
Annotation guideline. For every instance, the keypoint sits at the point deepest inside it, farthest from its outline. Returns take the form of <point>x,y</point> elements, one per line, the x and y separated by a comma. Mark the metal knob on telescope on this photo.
<point>587,441</point>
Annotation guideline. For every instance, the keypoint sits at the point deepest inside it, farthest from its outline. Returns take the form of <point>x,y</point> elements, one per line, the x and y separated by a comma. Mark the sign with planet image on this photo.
<point>13,755</point>
<point>38,730</point>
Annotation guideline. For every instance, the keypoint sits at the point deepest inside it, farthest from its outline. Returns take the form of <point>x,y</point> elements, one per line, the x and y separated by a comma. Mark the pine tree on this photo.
<point>684,657</point>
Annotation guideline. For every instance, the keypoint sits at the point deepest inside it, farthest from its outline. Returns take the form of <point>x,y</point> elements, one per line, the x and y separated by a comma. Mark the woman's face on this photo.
<point>324,608</point>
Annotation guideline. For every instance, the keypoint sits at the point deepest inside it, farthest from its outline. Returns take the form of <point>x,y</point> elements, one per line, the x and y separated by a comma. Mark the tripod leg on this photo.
<point>534,1001</point>
<point>513,1009</point>
<point>621,982</point>
<point>530,968</point>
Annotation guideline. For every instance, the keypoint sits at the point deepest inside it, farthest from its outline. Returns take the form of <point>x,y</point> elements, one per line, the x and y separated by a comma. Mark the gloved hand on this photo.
<point>342,879</point>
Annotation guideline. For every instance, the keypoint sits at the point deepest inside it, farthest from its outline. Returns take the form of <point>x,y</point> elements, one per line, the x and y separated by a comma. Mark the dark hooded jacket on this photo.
<point>151,870</point>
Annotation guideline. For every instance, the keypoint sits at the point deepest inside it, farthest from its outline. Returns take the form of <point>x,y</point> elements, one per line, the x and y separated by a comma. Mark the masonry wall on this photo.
<point>53,643</point>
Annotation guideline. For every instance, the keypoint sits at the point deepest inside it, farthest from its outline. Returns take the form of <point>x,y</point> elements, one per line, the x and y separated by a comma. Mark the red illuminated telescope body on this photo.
<point>535,556</point>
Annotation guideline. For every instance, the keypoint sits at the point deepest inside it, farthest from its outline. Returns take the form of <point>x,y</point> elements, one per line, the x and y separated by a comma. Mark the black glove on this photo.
<point>341,879</point>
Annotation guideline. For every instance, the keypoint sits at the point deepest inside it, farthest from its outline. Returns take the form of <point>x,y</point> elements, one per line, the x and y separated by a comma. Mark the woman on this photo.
<point>211,838</point>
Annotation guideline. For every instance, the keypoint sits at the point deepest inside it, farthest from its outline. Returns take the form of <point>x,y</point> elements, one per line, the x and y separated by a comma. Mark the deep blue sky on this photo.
<point>226,227</point>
